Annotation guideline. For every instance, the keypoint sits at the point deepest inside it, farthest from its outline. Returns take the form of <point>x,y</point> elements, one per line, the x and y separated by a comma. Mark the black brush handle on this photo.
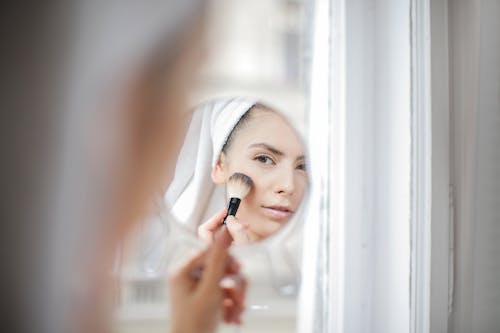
<point>234,203</point>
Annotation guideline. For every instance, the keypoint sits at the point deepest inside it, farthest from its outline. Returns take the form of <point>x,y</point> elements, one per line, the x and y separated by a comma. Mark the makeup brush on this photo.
<point>238,187</point>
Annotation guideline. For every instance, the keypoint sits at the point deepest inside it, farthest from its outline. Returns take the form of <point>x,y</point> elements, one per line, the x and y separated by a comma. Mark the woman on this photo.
<point>97,93</point>
<point>247,137</point>
<point>265,147</point>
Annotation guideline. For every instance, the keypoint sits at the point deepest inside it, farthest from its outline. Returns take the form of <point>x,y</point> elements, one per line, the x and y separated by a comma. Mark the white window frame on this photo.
<point>432,191</point>
<point>343,288</point>
<point>356,273</point>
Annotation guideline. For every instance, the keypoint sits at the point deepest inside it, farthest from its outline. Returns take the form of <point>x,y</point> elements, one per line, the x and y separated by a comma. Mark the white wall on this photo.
<point>475,91</point>
<point>441,228</point>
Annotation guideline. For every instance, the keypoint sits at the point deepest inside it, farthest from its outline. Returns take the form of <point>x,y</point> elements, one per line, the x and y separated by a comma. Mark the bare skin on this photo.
<point>269,151</point>
<point>201,297</point>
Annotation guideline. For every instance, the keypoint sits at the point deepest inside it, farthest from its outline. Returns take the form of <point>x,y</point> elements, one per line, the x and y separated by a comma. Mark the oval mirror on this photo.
<point>244,149</point>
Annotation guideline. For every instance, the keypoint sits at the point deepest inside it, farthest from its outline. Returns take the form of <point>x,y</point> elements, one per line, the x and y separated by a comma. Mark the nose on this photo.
<point>285,182</point>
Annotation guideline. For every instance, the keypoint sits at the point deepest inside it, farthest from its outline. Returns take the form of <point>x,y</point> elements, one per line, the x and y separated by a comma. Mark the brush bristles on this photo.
<point>238,185</point>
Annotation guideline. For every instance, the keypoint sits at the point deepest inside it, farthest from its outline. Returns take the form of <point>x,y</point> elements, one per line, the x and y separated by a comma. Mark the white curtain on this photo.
<point>475,111</point>
<point>356,246</point>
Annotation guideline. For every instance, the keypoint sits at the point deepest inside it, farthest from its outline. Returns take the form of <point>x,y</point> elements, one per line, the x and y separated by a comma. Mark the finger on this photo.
<point>235,289</point>
<point>238,230</point>
<point>233,266</point>
<point>232,313</point>
<point>227,309</point>
<point>216,220</point>
<point>243,293</point>
<point>217,261</point>
<point>222,237</point>
<point>238,295</point>
<point>187,273</point>
<point>205,234</point>
<point>205,231</point>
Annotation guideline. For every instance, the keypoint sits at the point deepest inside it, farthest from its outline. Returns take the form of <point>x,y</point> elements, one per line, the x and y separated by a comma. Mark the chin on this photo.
<point>272,227</point>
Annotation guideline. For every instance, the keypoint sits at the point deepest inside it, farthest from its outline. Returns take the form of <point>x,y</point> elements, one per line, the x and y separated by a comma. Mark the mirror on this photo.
<point>228,135</point>
<point>255,49</point>
<point>238,135</point>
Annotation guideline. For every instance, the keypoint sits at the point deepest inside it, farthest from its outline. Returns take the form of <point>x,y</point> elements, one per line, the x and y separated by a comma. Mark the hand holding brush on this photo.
<point>238,187</point>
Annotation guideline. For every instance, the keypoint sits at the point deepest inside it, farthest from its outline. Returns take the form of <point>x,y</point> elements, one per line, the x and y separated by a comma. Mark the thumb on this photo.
<point>207,229</point>
<point>238,230</point>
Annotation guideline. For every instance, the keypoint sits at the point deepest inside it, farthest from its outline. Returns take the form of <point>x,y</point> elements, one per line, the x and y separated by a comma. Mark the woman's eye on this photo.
<point>302,167</point>
<point>264,159</point>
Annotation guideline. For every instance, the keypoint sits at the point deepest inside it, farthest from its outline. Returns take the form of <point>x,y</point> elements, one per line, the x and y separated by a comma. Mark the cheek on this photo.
<point>261,192</point>
<point>243,165</point>
<point>261,178</point>
<point>301,188</point>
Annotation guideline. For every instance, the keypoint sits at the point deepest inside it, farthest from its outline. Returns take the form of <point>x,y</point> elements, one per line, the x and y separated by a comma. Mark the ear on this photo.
<point>219,171</point>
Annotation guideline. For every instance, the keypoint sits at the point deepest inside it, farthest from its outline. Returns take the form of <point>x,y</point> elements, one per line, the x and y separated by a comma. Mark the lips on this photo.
<point>278,213</point>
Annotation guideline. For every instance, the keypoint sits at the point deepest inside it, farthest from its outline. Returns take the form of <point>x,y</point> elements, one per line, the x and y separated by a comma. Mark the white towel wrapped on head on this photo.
<point>192,195</point>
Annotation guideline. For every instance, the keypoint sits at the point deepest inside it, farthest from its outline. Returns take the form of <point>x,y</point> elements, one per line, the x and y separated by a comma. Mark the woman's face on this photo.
<point>269,151</point>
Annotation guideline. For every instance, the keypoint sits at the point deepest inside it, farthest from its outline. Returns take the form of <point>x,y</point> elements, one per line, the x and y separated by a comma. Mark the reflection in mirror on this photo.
<point>255,48</point>
<point>238,135</point>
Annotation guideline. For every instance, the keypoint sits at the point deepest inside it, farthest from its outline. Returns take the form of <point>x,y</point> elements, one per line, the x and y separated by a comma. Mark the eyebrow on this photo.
<point>272,150</point>
<point>268,147</point>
